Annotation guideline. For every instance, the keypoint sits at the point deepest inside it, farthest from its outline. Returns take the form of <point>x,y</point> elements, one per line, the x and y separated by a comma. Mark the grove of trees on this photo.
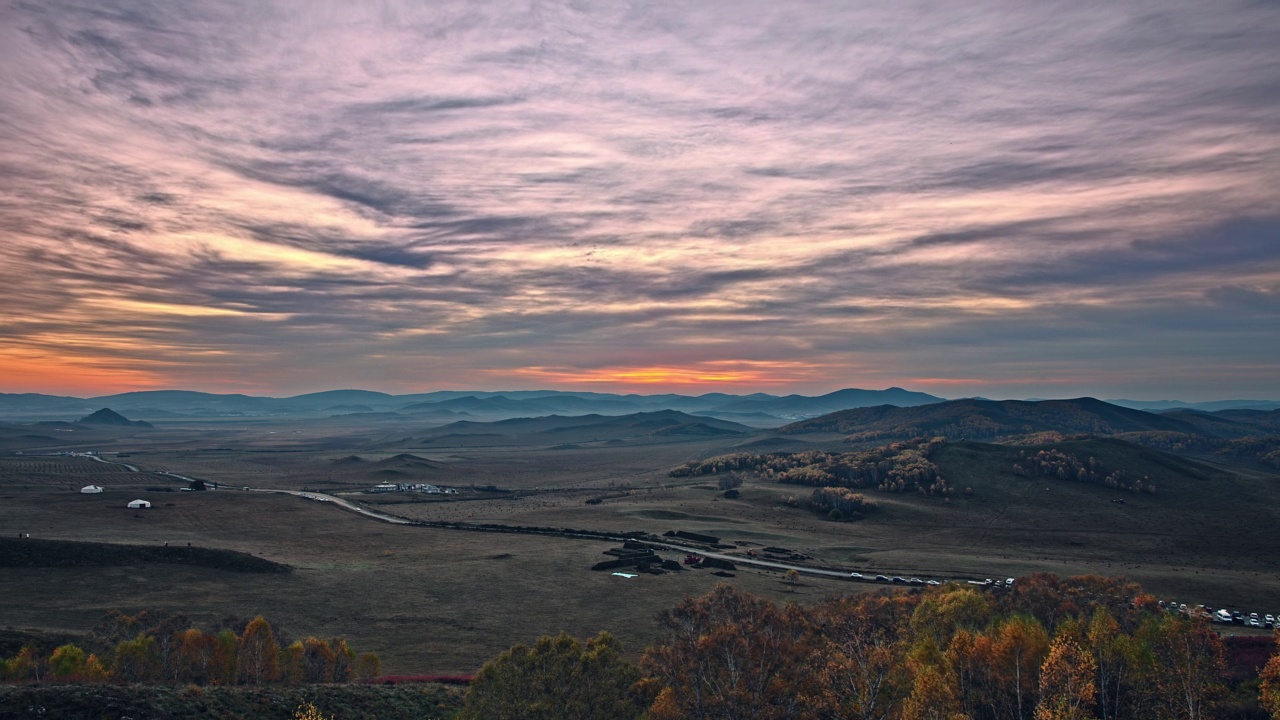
<point>897,467</point>
<point>154,648</point>
<point>1050,649</point>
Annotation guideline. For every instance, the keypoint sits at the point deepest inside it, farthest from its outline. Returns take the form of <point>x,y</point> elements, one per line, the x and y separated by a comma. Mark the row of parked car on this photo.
<point>1225,616</point>
<point>917,581</point>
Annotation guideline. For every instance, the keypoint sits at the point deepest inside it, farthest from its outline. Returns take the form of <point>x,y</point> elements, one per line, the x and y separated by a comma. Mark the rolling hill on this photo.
<point>988,420</point>
<point>557,429</point>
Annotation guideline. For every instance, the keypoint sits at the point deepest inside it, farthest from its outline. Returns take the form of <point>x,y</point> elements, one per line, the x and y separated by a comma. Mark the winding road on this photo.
<point>688,550</point>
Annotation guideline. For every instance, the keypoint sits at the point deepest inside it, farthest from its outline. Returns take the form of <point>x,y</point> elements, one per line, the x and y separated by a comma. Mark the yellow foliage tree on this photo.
<point>258,660</point>
<point>932,697</point>
<point>1067,690</point>
<point>1269,690</point>
<point>308,711</point>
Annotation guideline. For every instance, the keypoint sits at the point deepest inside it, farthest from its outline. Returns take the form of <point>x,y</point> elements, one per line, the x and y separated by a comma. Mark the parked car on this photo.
<point>882,578</point>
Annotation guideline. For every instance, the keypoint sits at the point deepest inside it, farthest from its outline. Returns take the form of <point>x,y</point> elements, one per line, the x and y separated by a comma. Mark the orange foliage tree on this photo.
<point>729,654</point>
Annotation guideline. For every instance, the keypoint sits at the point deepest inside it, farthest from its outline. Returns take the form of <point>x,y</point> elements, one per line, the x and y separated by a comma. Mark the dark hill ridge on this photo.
<point>107,416</point>
<point>988,419</point>
<point>406,461</point>
<point>29,553</point>
<point>831,402</point>
<point>634,423</point>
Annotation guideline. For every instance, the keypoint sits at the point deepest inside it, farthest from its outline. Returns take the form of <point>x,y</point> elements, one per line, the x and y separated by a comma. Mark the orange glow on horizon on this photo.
<point>742,373</point>
<point>29,372</point>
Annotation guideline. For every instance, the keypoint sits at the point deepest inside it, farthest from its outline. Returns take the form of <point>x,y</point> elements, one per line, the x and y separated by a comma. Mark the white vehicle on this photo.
<point>856,575</point>
<point>1222,616</point>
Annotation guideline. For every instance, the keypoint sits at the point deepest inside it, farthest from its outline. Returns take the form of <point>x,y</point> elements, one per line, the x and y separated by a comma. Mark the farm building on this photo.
<point>90,489</point>
<point>138,504</point>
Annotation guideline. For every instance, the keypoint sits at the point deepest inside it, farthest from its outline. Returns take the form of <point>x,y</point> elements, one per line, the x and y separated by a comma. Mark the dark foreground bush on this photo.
<point>116,702</point>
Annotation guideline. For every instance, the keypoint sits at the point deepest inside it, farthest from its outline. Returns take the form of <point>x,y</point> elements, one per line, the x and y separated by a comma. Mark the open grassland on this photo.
<point>434,600</point>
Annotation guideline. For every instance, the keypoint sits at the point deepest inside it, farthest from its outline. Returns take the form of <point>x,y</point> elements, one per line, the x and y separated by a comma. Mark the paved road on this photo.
<point>132,468</point>
<point>735,559</point>
<point>344,504</point>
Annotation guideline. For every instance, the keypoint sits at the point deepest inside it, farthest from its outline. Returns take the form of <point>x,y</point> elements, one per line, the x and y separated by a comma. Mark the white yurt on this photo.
<point>138,504</point>
<point>90,489</point>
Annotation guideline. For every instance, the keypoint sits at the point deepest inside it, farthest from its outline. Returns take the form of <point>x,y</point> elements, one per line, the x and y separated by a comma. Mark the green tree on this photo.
<point>66,662</point>
<point>137,660</point>
<point>1184,667</point>
<point>558,677</point>
<point>293,663</point>
<point>226,651</point>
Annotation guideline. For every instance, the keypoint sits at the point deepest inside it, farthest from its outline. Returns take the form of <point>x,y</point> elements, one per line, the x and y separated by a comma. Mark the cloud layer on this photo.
<point>999,199</point>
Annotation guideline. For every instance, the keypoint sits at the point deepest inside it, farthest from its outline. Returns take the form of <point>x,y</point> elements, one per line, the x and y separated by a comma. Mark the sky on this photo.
<point>1003,199</point>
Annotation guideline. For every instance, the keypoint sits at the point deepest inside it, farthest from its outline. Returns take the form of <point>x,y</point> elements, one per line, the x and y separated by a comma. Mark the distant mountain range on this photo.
<point>759,410</point>
<point>756,409</point>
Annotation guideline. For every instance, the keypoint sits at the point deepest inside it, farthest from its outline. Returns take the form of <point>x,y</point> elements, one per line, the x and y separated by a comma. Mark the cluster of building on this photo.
<point>413,487</point>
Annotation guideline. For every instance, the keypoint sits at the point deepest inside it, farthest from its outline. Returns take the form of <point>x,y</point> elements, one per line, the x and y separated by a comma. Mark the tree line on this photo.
<point>156,648</point>
<point>1049,649</point>
<point>895,468</point>
<point>1055,463</point>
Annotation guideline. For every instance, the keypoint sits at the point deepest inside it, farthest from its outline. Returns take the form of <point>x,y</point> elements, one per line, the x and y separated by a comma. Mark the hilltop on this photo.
<point>107,416</point>
<point>989,420</point>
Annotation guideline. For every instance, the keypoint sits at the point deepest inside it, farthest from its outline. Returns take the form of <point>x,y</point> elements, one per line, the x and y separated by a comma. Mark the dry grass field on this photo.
<point>435,600</point>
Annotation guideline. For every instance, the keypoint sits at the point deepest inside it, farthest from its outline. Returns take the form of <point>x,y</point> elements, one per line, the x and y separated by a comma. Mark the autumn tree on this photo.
<point>1114,656</point>
<point>226,651</point>
<point>196,652</point>
<point>1269,689</point>
<point>1183,667</point>
<point>258,659</point>
<point>860,659</point>
<point>368,666</point>
<point>558,677</point>
<point>932,697</point>
<point>939,615</point>
<point>137,660</point>
<point>308,711</point>
<point>293,663</point>
<point>67,661</point>
<point>730,655</point>
<point>1067,690</point>
<point>344,660</point>
<point>26,665</point>
<point>1015,650</point>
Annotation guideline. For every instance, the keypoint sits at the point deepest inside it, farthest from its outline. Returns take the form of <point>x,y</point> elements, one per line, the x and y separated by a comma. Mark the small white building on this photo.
<point>139,504</point>
<point>91,489</point>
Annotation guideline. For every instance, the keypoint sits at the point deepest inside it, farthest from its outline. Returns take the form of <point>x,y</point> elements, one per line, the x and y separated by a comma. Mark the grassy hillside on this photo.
<point>37,553</point>
<point>988,419</point>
